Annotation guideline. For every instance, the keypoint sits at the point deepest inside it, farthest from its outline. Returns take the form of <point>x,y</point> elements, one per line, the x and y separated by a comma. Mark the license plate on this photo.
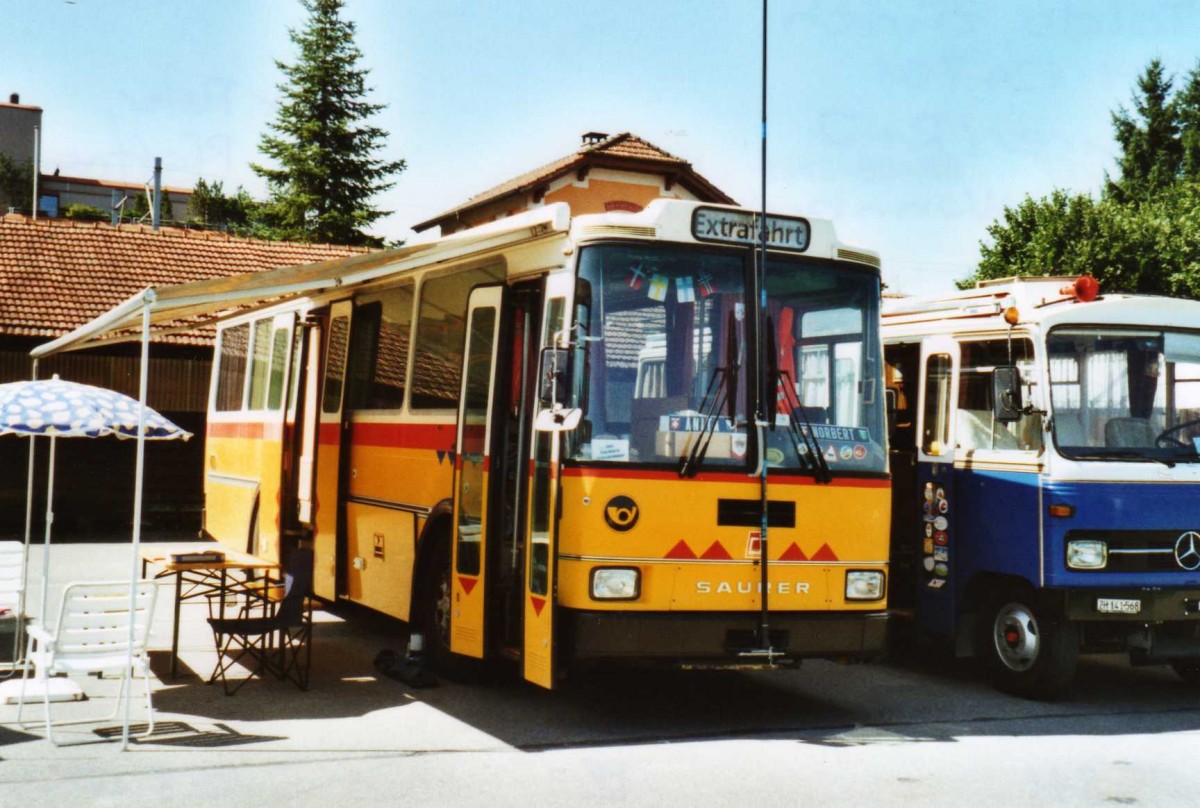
<point>1118,606</point>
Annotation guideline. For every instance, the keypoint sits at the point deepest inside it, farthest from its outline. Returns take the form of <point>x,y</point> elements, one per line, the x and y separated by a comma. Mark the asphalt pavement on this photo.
<point>925,731</point>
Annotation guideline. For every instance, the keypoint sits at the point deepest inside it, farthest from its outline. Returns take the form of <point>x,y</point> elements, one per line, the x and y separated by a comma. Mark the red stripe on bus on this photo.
<point>329,434</point>
<point>251,430</point>
<point>719,477</point>
<point>402,436</point>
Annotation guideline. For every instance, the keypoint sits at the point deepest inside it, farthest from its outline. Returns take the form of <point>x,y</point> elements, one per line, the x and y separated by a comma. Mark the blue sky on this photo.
<point>909,124</point>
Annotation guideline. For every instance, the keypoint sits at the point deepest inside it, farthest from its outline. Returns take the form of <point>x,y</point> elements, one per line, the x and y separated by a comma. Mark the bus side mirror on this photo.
<point>1007,406</point>
<point>554,389</point>
<point>891,404</point>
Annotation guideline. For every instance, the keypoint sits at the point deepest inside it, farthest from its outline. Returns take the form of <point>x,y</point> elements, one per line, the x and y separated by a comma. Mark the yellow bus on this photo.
<point>531,440</point>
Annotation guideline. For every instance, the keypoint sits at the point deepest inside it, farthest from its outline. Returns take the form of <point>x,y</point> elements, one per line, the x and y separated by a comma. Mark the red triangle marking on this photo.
<point>680,550</point>
<point>538,604</point>
<point>793,553</point>
<point>467,583</point>
<point>824,554</point>
<point>716,550</point>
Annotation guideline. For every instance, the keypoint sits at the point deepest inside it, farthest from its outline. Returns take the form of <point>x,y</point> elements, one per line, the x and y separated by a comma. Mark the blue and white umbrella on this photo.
<point>58,408</point>
<point>54,408</point>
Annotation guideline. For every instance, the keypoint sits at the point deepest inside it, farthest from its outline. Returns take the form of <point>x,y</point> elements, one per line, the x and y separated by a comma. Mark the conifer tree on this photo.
<point>1151,152</point>
<point>326,155</point>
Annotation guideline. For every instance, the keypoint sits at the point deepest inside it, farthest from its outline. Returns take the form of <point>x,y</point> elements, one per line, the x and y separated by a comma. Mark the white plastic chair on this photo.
<point>12,605</point>
<point>92,636</point>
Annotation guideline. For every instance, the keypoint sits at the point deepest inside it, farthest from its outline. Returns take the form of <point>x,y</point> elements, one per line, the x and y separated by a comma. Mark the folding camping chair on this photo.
<point>92,636</point>
<point>280,641</point>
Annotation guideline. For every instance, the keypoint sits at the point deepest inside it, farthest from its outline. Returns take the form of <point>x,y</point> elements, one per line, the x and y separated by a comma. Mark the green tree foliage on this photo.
<point>16,184</point>
<point>327,168</point>
<point>85,213</point>
<point>1143,234</point>
<point>238,213</point>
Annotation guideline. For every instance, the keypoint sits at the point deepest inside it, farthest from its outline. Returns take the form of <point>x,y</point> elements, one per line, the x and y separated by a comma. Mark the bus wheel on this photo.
<point>1188,670</point>
<point>435,616</point>
<point>1030,651</point>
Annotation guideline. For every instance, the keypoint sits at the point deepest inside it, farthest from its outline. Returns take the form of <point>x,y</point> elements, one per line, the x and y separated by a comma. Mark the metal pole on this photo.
<point>19,648</point>
<point>139,474</point>
<point>44,609</point>
<point>156,216</point>
<point>766,406</point>
<point>114,209</point>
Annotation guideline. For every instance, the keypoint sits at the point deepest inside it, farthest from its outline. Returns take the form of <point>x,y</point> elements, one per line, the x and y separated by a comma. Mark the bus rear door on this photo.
<point>935,483</point>
<point>473,472</point>
<point>328,478</point>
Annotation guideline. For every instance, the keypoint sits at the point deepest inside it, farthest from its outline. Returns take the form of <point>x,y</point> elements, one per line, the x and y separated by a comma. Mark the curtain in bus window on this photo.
<point>231,369</point>
<point>437,362</point>
<point>260,363</point>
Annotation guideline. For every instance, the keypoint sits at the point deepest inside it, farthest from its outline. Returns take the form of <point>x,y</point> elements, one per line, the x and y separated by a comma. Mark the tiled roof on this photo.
<point>56,275</point>
<point>622,148</point>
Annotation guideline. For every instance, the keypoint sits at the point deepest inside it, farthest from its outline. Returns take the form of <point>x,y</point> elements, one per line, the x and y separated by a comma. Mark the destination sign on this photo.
<point>743,227</point>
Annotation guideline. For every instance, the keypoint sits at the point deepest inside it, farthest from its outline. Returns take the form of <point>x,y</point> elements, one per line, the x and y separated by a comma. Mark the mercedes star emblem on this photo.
<point>1187,550</point>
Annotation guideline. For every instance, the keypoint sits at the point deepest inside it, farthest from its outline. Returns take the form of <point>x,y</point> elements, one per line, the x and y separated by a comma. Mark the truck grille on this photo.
<point>1136,550</point>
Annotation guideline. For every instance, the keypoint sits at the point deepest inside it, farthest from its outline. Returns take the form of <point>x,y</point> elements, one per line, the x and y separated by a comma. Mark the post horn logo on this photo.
<point>621,513</point>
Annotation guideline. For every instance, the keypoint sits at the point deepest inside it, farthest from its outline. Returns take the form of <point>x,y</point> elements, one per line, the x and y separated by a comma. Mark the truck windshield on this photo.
<point>824,321</point>
<point>1125,394</point>
<point>657,326</point>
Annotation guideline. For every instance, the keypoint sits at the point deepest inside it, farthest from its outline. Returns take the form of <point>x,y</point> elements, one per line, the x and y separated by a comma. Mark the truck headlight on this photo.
<point>1087,554</point>
<point>616,583</point>
<point>864,585</point>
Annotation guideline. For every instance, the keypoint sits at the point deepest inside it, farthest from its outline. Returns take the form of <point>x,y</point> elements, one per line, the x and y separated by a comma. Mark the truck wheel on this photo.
<point>1188,670</point>
<point>1030,650</point>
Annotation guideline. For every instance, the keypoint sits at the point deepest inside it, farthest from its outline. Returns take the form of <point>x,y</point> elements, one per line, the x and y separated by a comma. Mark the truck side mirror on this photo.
<point>1007,406</point>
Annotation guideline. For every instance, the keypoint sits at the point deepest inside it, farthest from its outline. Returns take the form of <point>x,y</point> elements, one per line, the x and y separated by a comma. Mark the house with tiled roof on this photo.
<point>606,173</point>
<point>57,274</point>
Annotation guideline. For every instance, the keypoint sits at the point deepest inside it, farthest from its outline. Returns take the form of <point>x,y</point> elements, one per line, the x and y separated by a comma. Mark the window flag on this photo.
<point>659,284</point>
<point>637,275</point>
<point>706,284</point>
<point>685,290</point>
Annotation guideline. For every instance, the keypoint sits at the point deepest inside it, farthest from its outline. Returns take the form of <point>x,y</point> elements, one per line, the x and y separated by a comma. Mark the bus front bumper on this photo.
<point>1153,624</point>
<point>722,636</point>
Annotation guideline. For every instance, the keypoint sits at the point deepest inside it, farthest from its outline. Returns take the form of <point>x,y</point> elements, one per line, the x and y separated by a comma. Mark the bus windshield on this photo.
<point>658,322</point>
<point>663,330</point>
<point>824,320</point>
<point>1125,394</point>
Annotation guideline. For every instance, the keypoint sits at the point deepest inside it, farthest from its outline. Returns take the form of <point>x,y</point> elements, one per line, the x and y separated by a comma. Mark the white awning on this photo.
<point>187,306</point>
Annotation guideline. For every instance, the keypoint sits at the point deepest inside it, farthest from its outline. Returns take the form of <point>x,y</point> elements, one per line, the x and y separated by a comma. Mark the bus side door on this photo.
<point>327,485</point>
<point>541,529</point>
<point>473,496</point>
<point>935,483</point>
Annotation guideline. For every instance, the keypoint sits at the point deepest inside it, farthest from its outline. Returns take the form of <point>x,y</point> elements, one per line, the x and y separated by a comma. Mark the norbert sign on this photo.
<point>741,227</point>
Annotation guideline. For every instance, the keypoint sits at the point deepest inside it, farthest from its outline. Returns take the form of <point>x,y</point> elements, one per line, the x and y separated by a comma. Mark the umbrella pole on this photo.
<point>139,476</point>
<point>44,608</point>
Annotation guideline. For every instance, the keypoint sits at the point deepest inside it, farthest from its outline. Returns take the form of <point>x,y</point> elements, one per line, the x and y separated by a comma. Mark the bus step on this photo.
<point>511,654</point>
<point>765,656</point>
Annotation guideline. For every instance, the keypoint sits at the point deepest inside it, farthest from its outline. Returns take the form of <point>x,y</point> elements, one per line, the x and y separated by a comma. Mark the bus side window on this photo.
<point>977,429</point>
<point>936,427</point>
<point>231,369</point>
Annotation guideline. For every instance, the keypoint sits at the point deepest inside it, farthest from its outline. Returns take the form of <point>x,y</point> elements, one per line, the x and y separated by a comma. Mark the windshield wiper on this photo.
<point>722,388</point>
<point>803,431</point>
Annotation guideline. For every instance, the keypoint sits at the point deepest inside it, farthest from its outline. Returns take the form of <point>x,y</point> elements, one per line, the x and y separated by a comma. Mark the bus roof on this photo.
<point>1042,302</point>
<point>185,307</point>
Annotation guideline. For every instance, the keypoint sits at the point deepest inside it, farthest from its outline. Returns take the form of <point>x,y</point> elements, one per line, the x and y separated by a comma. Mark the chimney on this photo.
<point>592,138</point>
<point>14,98</point>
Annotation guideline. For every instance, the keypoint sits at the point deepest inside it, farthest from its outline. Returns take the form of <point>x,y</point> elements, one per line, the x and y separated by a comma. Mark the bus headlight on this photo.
<point>616,583</point>
<point>864,585</point>
<point>1087,554</point>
